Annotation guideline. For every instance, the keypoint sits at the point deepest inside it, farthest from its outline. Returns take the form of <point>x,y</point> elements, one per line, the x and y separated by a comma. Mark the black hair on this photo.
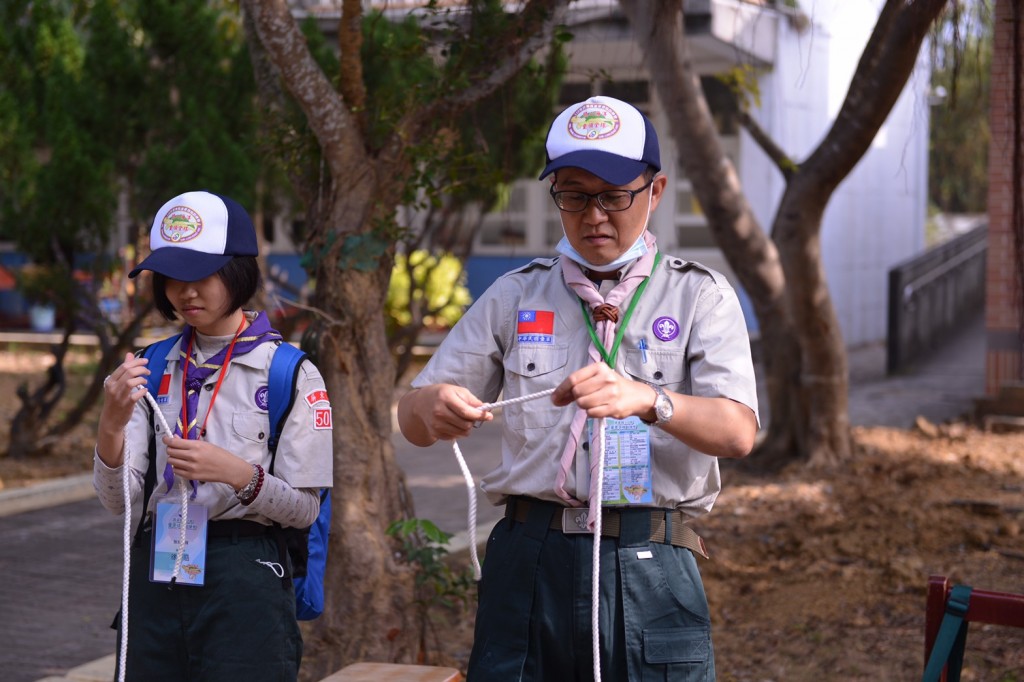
<point>241,277</point>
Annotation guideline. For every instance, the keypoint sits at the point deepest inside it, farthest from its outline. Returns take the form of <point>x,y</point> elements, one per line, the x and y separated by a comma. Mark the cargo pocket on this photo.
<point>529,369</point>
<point>680,654</point>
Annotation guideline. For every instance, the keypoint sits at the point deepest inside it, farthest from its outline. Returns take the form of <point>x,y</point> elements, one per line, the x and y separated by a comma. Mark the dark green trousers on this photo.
<point>240,625</point>
<point>534,615</point>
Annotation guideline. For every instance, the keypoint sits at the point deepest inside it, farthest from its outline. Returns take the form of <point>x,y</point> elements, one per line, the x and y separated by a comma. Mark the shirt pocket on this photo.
<point>665,368</point>
<point>529,369</point>
<point>251,429</point>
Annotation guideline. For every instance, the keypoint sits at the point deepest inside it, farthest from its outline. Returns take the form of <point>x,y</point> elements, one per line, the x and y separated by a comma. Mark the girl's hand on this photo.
<point>198,460</point>
<point>120,393</point>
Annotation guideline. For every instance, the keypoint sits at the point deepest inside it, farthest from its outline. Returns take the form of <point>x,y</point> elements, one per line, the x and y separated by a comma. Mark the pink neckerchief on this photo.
<point>605,322</point>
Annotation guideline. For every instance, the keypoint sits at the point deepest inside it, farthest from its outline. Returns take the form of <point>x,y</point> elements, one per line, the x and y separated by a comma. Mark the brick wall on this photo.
<point>1003,280</point>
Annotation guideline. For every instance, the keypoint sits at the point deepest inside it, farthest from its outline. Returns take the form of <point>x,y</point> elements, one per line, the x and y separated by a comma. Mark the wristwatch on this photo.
<point>663,408</point>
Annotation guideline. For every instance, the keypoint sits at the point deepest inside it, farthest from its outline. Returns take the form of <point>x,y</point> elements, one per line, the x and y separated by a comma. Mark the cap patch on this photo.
<point>594,121</point>
<point>180,224</point>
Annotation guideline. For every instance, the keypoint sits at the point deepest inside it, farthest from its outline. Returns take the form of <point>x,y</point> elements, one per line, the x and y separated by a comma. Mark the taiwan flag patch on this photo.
<point>535,326</point>
<point>163,395</point>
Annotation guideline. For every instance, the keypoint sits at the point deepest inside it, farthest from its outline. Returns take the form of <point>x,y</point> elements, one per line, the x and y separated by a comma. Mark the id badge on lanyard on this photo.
<point>167,534</point>
<point>627,462</point>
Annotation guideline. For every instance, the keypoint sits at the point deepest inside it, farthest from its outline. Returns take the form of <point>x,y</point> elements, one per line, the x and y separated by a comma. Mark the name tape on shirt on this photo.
<point>535,326</point>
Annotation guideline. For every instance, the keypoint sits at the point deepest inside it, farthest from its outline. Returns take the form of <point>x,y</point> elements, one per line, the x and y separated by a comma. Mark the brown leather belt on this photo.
<point>573,520</point>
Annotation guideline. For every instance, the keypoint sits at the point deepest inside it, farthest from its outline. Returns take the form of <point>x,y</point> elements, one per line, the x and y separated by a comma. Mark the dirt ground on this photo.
<point>814,575</point>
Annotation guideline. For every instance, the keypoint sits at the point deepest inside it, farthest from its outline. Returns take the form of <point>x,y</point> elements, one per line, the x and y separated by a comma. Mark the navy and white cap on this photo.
<point>195,234</point>
<point>607,137</point>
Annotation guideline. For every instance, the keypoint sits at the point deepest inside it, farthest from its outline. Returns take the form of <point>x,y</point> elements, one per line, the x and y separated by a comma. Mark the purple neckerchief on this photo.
<point>259,331</point>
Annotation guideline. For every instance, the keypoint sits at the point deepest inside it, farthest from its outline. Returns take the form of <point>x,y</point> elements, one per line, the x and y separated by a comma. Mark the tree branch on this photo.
<point>521,41</point>
<point>350,43</point>
<point>327,113</point>
<point>779,157</point>
<point>883,71</point>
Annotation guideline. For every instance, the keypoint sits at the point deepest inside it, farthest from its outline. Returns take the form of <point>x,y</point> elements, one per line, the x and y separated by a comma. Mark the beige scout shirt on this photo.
<point>696,343</point>
<point>240,424</point>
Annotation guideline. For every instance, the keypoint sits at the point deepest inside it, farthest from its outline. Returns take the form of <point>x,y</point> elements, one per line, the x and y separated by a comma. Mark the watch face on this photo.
<point>663,408</point>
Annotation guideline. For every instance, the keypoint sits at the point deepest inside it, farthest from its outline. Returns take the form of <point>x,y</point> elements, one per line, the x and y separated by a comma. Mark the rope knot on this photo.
<point>606,311</point>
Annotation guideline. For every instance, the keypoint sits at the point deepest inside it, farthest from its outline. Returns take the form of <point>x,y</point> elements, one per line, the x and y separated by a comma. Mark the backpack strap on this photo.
<point>284,372</point>
<point>156,353</point>
<point>281,381</point>
<point>949,644</point>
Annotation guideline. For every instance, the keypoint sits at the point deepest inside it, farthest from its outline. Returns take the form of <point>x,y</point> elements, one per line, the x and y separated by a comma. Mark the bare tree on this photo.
<point>349,187</point>
<point>804,355</point>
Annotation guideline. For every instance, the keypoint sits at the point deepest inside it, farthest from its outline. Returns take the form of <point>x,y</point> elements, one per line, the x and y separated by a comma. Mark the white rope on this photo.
<point>126,543</point>
<point>182,494</point>
<point>471,488</point>
<point>596,573</point>
<point>468,477</point>
<point>595,576</point>
<point>126,536</point>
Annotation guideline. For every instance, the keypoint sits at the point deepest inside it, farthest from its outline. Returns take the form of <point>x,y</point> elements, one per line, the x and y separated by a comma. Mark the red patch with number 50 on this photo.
<point>322,419</point>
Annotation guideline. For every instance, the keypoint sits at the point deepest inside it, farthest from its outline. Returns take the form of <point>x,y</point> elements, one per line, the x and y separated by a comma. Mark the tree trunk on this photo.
<point>28,424</point>
<point>371,618</point>
<point>350,206</point>
<point>823,382</point>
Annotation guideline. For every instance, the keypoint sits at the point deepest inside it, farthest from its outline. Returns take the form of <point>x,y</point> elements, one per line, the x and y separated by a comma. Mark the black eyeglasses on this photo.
<point>610,200</point>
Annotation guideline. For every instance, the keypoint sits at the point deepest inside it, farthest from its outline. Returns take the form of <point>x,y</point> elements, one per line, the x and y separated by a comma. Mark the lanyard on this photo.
<point>609,358</point>
<point>216,389</point>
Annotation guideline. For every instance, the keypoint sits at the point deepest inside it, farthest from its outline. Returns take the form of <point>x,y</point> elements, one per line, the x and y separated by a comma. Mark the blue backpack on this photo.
<point>306,547</point>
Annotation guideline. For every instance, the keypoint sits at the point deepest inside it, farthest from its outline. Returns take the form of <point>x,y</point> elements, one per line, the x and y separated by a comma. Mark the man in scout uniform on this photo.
<point>650,361</point>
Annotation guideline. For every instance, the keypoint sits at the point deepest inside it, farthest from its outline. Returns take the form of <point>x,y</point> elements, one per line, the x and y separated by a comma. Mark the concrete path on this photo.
<point>61,552</point>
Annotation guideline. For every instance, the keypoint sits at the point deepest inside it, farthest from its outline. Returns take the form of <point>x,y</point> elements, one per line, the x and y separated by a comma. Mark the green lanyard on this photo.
<point>610,359</point>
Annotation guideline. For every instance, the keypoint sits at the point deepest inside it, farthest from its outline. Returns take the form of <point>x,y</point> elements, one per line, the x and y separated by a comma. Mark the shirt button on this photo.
<point>586,446</point>
<point>530,367</point>
<point>658,375</point>
<point>208,387</point>
<point>261,435</point>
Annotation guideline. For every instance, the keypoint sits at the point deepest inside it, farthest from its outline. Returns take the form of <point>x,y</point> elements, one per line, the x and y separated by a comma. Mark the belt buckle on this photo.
<point>574,520</point>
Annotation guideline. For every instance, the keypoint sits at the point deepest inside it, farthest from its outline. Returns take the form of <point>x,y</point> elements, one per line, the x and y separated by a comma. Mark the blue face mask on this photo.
<point>637,250</point>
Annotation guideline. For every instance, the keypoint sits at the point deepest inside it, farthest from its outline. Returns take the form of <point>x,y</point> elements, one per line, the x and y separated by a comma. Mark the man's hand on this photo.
<point>602,392</point>
<point>439,412</point>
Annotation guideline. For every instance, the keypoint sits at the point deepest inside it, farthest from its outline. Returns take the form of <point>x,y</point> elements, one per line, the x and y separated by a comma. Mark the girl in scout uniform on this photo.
<point>229,614</point>
<point>654,346</point>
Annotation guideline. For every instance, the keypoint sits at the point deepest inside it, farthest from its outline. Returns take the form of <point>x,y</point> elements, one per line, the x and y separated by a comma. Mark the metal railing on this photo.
<point>931,294</point>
